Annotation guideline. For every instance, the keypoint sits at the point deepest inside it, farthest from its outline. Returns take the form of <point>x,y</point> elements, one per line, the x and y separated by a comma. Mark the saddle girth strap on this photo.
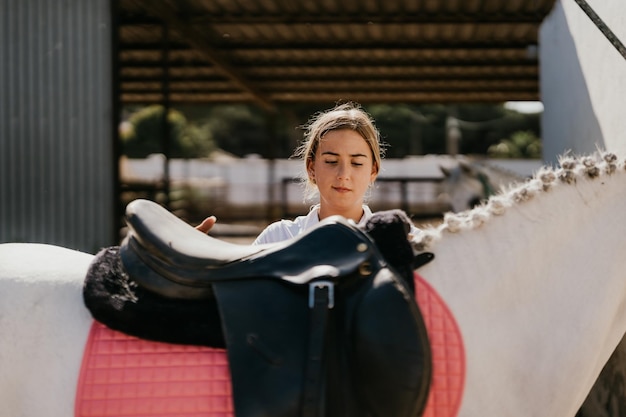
<point>321,300</point>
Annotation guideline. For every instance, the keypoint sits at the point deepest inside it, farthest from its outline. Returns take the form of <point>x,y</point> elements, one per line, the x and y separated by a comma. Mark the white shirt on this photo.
<point>287,229</point>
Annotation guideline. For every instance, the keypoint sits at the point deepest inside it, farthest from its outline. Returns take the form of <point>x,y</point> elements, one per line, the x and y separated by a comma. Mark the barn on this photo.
<point>69,66</point>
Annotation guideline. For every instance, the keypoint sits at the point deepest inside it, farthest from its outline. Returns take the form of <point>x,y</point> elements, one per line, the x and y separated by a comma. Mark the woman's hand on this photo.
<point>206,224</point>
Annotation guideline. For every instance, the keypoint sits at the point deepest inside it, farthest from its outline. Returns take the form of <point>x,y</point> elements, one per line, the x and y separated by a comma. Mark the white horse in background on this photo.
<point>535,278</point>
<point>467,182</point>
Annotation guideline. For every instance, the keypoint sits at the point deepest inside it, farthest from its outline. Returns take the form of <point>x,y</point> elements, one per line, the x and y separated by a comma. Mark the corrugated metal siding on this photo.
<point>55,123</point>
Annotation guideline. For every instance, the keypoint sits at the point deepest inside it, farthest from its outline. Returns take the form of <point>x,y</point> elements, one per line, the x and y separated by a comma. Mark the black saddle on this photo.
<point>319,325</point>
<point>173,259</point>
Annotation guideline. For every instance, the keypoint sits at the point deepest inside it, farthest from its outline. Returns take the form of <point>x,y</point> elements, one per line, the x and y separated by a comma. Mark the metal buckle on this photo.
<point>319,285</point>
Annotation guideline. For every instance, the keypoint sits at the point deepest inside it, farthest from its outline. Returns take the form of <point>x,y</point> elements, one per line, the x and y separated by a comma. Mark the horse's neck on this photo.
<point>540,296</point>
<point>499,178</point>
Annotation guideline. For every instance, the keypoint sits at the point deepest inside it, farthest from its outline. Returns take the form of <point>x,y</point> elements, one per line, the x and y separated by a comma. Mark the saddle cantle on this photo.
<point>316,326</point>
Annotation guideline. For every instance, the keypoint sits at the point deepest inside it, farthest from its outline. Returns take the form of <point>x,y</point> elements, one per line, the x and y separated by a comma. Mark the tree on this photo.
<point>145,135</point>
<point>238,129</point>
<point>522,144</point>
<point>241,129</point>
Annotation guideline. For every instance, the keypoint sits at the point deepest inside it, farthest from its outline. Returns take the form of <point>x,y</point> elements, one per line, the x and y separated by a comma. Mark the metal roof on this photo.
<point>277,52</point>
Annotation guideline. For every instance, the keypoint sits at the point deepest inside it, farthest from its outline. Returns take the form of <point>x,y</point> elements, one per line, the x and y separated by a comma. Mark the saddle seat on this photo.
<point>177,261</point>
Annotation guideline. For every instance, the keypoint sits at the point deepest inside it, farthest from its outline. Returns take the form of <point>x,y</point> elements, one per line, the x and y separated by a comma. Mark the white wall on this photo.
<point>583,80</point>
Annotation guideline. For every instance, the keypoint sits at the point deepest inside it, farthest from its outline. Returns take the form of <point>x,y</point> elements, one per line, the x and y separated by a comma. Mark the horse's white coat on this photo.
<point>539,293</point>
<point>43,328</point>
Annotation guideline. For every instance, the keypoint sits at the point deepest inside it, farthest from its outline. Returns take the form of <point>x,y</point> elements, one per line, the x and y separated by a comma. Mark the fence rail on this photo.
<point>424,206</point>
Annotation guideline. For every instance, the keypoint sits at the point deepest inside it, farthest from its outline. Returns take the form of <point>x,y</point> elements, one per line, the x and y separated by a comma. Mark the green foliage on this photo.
<point>487,124</point>
<point>406,129</point>
<point>145,135</point>
<point>195,141</point>
<point>522,145</point>
<point>416,130</point>
<point>238,129</point>
<point>242,129</point>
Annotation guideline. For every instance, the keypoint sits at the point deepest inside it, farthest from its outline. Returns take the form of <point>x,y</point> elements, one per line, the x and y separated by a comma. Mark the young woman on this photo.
<point>341,153</point>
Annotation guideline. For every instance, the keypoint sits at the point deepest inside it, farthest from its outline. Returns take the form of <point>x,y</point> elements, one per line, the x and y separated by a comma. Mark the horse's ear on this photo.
<point>467,167</point>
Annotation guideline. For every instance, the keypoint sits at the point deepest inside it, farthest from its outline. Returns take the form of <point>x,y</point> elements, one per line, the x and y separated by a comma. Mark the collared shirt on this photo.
<point>287,229</point>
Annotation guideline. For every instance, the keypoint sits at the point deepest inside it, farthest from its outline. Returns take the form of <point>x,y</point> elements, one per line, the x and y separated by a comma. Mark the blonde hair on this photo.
<point>344,116</point>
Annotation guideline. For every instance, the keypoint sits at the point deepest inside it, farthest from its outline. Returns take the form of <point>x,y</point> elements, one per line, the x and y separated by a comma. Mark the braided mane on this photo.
<point>571,169</point>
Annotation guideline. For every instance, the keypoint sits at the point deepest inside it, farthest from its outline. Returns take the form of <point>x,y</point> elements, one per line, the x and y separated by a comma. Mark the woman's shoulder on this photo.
<point>282,230</point>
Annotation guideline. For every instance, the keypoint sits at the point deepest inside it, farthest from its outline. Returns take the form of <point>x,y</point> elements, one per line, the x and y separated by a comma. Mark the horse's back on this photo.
<point>43,327</point>
<point>36,261</point>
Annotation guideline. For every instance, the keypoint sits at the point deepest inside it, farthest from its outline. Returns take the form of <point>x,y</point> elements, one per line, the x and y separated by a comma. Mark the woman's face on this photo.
<point>342,170</point>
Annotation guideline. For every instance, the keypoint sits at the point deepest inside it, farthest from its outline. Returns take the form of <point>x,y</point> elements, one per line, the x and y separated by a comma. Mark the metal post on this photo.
<point>271,168</point>
<point>118,209</point>
<point>166,134</point>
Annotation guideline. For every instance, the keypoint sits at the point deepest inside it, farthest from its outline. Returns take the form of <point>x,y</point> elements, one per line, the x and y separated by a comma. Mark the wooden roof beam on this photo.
<point>361,97</point>
<point>329,18</point>
<point>169,15</point>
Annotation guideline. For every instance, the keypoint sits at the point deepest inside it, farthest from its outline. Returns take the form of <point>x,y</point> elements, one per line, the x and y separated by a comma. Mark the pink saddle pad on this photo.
<point>125,376</point>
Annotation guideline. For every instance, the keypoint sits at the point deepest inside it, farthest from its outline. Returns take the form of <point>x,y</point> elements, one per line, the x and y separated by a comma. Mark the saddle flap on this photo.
<point>391,351</point>
<point>376,358</point>
<point>264,325</point>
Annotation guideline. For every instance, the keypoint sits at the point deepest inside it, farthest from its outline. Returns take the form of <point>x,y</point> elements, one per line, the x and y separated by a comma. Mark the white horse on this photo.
<point>535,278</point>
<point>468,182</point>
